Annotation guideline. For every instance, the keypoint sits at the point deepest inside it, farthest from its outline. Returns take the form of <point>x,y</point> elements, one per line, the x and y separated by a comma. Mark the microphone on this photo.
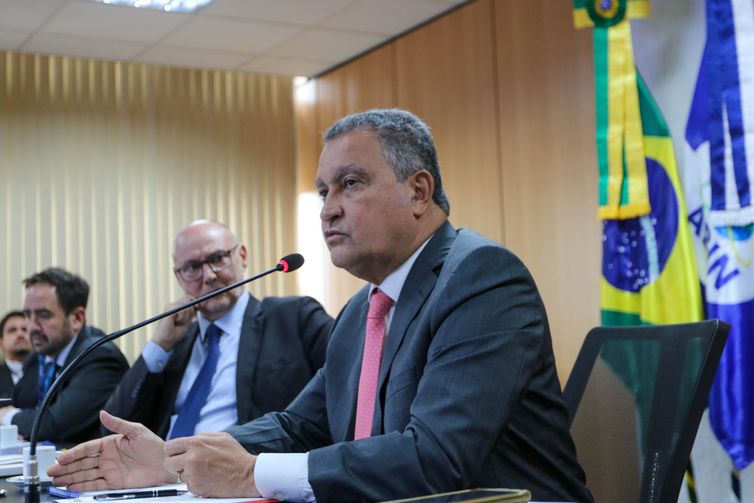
<point>289,263</point>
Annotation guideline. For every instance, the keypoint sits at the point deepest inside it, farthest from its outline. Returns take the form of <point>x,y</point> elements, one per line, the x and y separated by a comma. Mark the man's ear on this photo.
<point>77,318</point>
<point>242,253</point>
<point>422,187</point>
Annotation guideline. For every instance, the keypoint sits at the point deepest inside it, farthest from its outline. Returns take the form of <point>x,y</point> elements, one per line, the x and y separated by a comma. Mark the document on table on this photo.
<point>184,498</point>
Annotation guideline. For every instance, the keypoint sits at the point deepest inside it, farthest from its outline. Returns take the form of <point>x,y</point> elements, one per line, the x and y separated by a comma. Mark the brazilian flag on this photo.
<point>649,273</point>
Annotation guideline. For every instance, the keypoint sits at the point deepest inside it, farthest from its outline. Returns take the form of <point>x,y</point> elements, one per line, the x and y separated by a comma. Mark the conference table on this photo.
<point>15,494</point>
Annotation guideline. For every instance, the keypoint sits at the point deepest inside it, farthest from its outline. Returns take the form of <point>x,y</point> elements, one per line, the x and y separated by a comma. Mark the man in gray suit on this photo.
<point>439,374</point>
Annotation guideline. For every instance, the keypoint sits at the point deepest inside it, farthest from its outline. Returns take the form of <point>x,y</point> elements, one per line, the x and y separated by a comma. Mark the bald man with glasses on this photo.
<point>233,358</point>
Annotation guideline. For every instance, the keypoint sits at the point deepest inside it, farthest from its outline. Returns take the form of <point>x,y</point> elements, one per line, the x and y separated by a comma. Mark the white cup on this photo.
<point>45,459</point>
<point>8,436</point>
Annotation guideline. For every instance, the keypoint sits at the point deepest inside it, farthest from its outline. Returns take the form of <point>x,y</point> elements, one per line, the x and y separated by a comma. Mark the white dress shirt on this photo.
<point>16,370</point>
<point>220,410</point>
<point>285,476</point>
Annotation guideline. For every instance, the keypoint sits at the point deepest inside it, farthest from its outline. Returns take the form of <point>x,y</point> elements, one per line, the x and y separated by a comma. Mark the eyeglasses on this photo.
<point>194,269</point>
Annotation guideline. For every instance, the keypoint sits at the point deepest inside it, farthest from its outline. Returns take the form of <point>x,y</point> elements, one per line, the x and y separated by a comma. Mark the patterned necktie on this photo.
<point>370,363</point>
<point>188,416</point>
<point>46,376</point>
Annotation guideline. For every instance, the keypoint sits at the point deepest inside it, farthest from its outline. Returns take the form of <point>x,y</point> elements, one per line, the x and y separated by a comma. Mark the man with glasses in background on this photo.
<point>229,360</point>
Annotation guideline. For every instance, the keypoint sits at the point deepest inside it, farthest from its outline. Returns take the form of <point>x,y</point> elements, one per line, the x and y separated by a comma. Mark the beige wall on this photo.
<point>103,163</point>
<point>507,88</point>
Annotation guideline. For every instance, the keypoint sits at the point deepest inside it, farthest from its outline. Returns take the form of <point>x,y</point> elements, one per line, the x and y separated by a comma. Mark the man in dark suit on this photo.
<point>14,340</point>
<point>439,375</point>
<point>267,352</point>
<point>55,311</point>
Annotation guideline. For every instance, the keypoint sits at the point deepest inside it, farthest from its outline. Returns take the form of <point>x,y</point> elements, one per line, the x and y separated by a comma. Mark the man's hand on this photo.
<point>212,465</point>
<point>132,457</point>
<point>173,328</point>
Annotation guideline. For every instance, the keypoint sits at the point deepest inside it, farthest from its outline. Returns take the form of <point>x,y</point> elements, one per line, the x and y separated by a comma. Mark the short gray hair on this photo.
<point>406,143</point>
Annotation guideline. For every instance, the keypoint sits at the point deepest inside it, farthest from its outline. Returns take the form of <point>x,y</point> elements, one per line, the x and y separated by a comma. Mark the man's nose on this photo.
<point>207,273</point>
<point>32,322</point>
<point>331,209</point>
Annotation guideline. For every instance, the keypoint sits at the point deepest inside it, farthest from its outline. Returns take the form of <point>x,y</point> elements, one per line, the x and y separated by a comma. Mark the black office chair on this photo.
<point>635,398</point>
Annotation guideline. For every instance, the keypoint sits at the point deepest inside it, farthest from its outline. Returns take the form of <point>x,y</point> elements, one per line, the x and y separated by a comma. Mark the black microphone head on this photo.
<point>290,262</point>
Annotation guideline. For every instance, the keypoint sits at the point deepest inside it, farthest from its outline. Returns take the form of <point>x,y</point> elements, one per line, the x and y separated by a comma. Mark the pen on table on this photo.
<point>156,493</point>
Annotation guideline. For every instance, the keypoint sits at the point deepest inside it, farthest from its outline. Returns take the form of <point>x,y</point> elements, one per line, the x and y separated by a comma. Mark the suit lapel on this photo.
<point>248,350</point>
<point>416,289</point>
<point>80,345</point>
<point>25,392</point>
<point>6,379</point>
<point>355,317</point>
<point>83,341</point>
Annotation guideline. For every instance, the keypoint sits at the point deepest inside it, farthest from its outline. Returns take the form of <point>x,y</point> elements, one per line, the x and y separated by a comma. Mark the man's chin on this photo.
<point>40,350</point>
<point>339,257</point>
<point>215,308</point>
<point>37,344</point>
<point>347,260</point>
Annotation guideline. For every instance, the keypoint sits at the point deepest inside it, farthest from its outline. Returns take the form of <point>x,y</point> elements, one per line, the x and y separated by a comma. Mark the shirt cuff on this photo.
<point>284,476</point>
<point>155,357</point>
<point>8,418</point>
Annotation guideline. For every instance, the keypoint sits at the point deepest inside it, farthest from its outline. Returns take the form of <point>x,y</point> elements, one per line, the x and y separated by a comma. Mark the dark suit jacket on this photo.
<point>468,392</point>
<point>283,343</point>
<point>6,382</point>
<point>72,416</point>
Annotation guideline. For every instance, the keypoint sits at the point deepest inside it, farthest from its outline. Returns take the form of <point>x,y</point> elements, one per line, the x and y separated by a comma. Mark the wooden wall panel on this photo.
<point>546,110</point>
<point>445,74</point>
<point>368,82</point>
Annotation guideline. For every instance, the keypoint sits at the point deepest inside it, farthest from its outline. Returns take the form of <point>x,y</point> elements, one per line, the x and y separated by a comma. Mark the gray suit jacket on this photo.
<point>283,343</point>
<point>468,392</point>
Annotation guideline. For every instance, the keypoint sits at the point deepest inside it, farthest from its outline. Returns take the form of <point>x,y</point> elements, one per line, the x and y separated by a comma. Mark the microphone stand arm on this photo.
<point>32,484</point>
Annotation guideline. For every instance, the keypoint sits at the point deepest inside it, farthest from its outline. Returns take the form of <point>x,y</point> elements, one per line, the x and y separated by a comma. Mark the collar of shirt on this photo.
<point>15,367</point>
<point>393,283</point>
<point>63,355</point>
<point>230,322</point>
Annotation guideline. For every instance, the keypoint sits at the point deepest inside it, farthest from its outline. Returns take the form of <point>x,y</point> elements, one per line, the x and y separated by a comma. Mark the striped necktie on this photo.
<point>47,371</point>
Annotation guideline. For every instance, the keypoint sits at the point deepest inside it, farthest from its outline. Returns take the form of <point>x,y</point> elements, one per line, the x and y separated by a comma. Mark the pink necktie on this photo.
<point>370,363</point>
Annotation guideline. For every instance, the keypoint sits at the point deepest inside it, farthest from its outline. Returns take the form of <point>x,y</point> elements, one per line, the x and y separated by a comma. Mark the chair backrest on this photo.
<point>635,398</point>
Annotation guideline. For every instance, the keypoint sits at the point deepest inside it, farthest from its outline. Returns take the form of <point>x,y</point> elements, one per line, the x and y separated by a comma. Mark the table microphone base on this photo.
<point>32,492</point>
<point>32,487</point>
